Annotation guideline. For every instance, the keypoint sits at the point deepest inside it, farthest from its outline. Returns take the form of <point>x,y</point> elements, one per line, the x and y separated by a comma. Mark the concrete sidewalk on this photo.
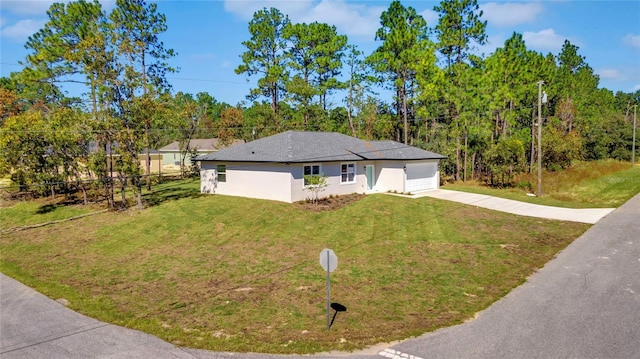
<point>582,215</point>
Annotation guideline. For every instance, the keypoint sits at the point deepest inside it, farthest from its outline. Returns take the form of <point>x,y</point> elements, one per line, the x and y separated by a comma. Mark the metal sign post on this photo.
<point>329,262</point>
<point>328,292</point>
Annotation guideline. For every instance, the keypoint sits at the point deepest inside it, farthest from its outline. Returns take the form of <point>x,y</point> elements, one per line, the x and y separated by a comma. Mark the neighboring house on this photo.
<point>171,155</point>
<point>112,157</point>
<point>274,167</point>
<point>155,161</point>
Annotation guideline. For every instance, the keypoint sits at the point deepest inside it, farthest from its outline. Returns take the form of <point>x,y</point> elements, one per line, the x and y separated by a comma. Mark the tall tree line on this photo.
<point>120,60</point>
<point>479,111</point>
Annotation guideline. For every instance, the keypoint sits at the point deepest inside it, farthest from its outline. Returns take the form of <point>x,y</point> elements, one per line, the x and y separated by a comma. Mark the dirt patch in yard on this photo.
<point>329,203</point>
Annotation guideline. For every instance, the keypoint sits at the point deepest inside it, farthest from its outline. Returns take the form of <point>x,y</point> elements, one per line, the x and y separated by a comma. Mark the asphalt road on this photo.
<point>583,304</point>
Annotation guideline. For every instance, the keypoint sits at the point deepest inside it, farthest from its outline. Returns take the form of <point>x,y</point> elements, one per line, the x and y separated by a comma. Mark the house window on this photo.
<point>221,170</point>
<point>311,170</point>
<point>348,173</point>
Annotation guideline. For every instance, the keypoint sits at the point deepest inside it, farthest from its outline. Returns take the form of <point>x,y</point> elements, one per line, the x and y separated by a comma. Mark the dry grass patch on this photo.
<point>598,184</point>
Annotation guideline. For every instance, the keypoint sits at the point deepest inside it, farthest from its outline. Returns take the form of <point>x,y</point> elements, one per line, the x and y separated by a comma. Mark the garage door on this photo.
<point>421,176</point>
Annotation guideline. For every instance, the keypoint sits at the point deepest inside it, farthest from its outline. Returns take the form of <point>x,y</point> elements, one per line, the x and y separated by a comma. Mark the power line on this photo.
<point>213,81</point>
<point>168,77</point>
<point>288,125</point>
<point>10,64</point>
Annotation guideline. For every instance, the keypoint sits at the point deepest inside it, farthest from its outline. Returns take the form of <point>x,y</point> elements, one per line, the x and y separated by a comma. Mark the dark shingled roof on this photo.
<point>298,146</point>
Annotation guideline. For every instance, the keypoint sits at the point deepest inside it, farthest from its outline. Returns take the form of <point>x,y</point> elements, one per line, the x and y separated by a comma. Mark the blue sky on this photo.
<point>208,34</point>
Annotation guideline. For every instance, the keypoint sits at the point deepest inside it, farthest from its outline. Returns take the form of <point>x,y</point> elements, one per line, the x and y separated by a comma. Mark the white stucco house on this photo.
<point>274,167</point>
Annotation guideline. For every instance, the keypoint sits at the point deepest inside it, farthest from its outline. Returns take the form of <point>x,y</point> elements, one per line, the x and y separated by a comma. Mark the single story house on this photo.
<point>171,153</point>
<point>274,167</point>
<point>155,161</point>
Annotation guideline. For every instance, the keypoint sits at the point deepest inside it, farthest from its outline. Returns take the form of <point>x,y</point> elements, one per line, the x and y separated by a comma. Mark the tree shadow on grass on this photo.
<point>166,194</point>
<point>46,208</point>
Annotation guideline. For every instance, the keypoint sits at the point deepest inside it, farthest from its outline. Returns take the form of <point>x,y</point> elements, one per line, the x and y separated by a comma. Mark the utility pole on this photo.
<point>540,138</point>
<point>633,146</point>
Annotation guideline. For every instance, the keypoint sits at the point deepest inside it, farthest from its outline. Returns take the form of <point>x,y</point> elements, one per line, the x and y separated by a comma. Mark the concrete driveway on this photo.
<point>583,215</point>
<point>583,304</point>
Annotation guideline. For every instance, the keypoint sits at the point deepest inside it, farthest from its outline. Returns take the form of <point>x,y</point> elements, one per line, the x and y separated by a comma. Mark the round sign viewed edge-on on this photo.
<point>331,263</point>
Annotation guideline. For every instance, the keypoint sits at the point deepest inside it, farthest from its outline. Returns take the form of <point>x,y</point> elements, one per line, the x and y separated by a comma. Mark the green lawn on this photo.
<point>234,274</point>
<point>35,212</point>
<point>599,184</point>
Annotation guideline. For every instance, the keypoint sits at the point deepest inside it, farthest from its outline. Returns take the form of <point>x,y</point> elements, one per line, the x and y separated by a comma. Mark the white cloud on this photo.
<point>202,57</point>
<point>245,9</point>
<point>544,40</point>
<point>431,17</point>
<point>611,74</point>
<point>622,77</point>
<point>26,7</point>
<point>354,20</point>
<point>619,74</point>
<point>632,40</point>
<point>351,19</point>
<point>39,7</point>
<point>21,30</point>
<point>494,41</point>
<point>510,14</point>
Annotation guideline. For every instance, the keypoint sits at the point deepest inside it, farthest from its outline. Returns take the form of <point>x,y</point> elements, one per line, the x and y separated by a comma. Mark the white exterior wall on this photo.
<point>253,180</point>
<point>285,182</point>
<point>332,171</point>
<point>208,178</point>
<point>389,176</point>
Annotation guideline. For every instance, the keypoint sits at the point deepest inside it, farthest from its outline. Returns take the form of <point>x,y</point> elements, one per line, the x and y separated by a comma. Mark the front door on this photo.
<point>371,181</point>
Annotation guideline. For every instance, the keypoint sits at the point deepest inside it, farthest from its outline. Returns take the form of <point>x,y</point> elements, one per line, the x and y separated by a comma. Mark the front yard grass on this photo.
<point>243,275</point>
